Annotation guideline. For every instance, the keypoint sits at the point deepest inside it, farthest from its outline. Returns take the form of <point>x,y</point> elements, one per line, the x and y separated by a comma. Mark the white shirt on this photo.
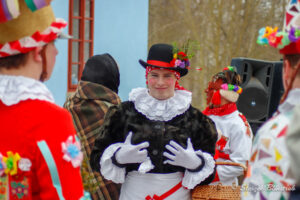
<point>238,146</point>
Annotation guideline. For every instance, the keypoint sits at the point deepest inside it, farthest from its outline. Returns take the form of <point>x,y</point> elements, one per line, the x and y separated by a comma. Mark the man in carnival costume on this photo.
<point>156,144</point>
<point>39,156</point>
<point>269,172</point>
<point>235,135</point>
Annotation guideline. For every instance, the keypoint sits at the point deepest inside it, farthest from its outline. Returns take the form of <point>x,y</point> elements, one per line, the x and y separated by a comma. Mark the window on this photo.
<point>81,27</point>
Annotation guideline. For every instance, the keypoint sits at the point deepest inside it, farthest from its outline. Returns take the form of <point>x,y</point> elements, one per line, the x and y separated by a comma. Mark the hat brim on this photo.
<point>182,71</point>
<point>30,42</point>
<point>292,48</point>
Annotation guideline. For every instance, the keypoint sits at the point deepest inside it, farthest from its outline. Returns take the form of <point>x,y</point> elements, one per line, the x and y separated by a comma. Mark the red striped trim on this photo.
<point>50,37</point>
<point>3,54</point>
<point>15,45</point>
<point>159,63</point>
<point>45,38</point>
<point>59,25</point>
<point>37,36</point>
<point>224,155</point>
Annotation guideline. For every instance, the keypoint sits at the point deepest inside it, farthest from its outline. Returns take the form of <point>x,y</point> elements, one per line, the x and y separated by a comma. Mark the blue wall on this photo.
<point>121,29</point>
<point>59,79</point>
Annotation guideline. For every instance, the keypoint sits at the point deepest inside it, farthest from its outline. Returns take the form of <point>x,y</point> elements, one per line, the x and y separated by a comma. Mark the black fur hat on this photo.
<point>102,69</point>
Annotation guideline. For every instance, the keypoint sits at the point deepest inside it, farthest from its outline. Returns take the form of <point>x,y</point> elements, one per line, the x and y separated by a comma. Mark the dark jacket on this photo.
<point>124,118</point>
<point>88,106</point>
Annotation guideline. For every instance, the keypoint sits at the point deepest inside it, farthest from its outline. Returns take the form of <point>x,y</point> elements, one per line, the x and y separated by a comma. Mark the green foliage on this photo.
<point>189,48</point>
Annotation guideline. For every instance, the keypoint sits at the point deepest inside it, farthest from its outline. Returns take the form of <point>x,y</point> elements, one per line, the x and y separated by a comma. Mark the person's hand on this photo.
<point>179,156</point>
<point>129,153</point>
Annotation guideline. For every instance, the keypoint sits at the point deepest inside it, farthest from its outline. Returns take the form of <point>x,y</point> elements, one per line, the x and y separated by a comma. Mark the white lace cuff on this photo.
<point>191,179</point>
<point>108,169</point>
<point>117,174</point>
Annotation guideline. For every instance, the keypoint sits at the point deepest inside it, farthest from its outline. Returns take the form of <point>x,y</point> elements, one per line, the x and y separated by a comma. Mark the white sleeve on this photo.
<point>108,170</point>
<point>293,143</point>
<point>191,179</point>
<point>114,173</point>
<point>240,145</point>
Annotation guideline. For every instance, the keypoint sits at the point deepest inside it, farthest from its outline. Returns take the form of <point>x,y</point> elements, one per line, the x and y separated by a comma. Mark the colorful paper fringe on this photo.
<point>34,5</point>
<point>10,9</point>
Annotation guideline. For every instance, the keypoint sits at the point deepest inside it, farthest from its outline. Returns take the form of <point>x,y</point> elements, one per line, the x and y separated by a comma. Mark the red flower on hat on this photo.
<point>172,63</point>
<point>274,40</point>
<point>182,56</point>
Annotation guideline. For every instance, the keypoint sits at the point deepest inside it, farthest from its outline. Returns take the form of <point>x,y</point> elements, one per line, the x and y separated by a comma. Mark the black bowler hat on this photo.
<point>162,56</point>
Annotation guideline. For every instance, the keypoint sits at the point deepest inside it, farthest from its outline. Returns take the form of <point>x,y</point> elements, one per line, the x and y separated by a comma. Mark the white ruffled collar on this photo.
<point>291,101</point>
<point>14,89</point>
<point>161,110</point>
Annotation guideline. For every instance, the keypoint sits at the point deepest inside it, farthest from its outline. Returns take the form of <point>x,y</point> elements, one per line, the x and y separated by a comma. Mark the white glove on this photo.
<point>186,158</point>
<point>129,153</point>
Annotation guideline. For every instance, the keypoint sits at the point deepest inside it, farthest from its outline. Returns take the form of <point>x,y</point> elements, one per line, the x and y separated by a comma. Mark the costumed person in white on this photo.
<point>235,135</point>
<point>269,172</point>
<point>293,143</point>
<point>156,144</point>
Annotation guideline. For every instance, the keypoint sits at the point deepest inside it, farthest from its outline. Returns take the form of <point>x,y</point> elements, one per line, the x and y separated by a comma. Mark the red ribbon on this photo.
<point>220,154</point>
<point>155,197</point>
<point>59,25</point>
<point>216,179</point>
<point>166,194</point>
<point>159,63</point>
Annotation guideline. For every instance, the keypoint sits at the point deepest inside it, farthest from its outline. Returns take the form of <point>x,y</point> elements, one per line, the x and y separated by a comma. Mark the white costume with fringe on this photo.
<point>270,175</point>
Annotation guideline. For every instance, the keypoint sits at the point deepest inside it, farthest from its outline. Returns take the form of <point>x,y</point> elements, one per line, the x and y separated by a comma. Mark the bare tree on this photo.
<point>224,29</point>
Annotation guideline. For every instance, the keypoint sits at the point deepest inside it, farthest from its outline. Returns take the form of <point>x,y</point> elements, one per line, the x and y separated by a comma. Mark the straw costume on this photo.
<point>39,154</point>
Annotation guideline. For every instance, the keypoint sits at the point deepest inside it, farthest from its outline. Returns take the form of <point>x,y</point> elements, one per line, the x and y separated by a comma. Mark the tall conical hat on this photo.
<point>292,27</point>
<point>287,40</point>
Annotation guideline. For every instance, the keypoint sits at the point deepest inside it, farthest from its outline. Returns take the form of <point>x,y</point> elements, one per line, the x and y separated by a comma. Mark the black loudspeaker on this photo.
<point>262,89</point>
